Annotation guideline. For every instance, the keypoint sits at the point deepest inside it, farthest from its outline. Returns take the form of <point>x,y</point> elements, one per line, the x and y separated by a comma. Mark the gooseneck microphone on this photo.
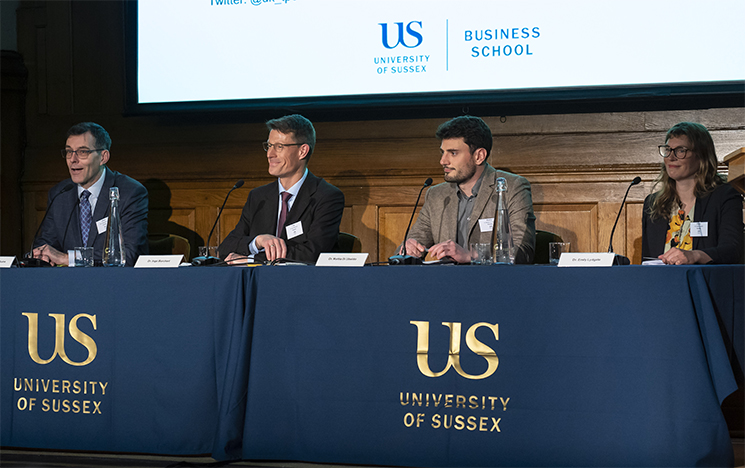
<point>208,259</point>
<point>403,259</point>
<point>620,259</point>
<point>28,260</point>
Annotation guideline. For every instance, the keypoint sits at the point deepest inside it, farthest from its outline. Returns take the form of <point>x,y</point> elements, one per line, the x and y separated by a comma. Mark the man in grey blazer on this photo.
<point>78,207</point>
<point>295,217</point>
<point>461,210</point>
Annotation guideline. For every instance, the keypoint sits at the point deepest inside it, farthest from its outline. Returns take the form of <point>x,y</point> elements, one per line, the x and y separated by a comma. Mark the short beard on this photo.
<point>462,178</point>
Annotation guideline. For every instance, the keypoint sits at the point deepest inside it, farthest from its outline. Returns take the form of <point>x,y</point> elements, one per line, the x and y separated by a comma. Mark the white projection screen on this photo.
<point>368,52</point>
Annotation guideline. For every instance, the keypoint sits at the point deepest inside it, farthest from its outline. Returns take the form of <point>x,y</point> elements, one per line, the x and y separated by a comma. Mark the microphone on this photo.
<point>403,259</point>
<point>620,259</point>
<point>207,259</point>
<point>28,259</point>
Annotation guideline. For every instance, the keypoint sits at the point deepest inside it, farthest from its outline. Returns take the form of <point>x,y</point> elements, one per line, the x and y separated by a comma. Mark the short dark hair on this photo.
<point>474,131</point>
<point>297,124</point>
<point>103,140</point>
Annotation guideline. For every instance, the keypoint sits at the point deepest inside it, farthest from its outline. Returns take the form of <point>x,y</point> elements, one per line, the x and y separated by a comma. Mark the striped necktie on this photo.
<point>85,216</point>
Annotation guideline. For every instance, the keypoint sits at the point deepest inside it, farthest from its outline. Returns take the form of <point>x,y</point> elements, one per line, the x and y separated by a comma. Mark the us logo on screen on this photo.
<point>414,36</point>
<point>479,348</point>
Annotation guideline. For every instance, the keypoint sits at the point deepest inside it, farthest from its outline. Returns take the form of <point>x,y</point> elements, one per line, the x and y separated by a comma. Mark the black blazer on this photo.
<point>721,209</point>
<point>319,206</point>
<point>61,228</point>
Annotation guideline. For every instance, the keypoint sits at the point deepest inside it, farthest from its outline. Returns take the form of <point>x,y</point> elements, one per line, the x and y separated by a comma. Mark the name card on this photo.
<point>342,259</point>
<point>571,259</point>
<point>159,261</point>
<point>6,262</point>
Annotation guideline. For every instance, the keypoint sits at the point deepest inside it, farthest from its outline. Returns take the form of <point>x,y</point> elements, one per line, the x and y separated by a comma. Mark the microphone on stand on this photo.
<point>403,259</point>
<point>620,259</point>
<point>208,259</point>
<point>28,261</point>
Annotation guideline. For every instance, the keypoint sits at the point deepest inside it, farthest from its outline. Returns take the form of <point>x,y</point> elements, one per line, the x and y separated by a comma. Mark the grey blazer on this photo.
<point>438,219</point>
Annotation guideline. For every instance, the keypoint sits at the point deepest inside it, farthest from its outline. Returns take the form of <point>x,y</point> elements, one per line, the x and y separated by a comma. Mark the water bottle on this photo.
<point>113,251</point>
<point>504,250</point>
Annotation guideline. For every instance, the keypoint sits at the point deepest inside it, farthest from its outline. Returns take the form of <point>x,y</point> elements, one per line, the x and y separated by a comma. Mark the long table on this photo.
<point>413,365</point>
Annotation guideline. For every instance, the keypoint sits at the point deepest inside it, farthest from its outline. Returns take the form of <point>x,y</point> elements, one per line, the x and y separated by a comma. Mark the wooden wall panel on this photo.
<point>575,223</point>
<point>579,164</point>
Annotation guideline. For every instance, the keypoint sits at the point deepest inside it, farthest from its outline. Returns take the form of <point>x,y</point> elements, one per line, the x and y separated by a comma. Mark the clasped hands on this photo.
<point>676,256</point>
<point>49,254</point>
<point>439,251</point>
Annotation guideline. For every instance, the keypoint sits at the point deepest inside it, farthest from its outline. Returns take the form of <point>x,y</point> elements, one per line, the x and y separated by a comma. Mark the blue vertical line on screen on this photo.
<point>447,46</point>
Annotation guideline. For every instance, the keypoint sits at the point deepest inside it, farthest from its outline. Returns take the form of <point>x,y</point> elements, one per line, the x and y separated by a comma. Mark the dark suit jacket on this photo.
<point>319,206</point>
<point>438,219</point>
<point>61,228</point>
<point>721,209</point>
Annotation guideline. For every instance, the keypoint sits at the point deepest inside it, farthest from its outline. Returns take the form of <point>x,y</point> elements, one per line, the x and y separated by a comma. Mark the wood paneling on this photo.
<point>579,165</point>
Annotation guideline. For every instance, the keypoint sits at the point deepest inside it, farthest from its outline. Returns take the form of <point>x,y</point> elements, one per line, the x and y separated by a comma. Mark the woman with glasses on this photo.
<point>695,216</point>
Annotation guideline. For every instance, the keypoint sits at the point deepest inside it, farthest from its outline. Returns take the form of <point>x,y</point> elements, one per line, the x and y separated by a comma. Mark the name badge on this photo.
<point>102,224</point>
<point>158,261</point>
<point>570,259</point>
<point>342,259</point>
<point>294,230</point>
<point>6,262</point>
<point>699,229</point>
<point>486,225</point>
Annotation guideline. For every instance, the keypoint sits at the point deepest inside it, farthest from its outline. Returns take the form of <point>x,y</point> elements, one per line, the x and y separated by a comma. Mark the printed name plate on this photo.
<point>342,259</point>
<point>590,259</point>
<point>159,261</point>
<point>6,262</point>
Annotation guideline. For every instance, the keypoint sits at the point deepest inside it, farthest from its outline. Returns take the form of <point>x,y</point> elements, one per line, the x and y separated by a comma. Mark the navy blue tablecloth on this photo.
<point>596,367</point>
<point>162,378</point>
<point>591,366</point>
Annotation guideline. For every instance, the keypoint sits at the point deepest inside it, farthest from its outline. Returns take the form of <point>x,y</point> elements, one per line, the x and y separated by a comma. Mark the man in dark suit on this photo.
<point>296,217</point>
<point>78,207</point>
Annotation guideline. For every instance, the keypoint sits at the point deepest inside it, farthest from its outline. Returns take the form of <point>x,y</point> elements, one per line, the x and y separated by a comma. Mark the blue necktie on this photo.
<point>85,216</point>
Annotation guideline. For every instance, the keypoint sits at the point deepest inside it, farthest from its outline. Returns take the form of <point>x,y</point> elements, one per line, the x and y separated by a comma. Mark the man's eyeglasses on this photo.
<point>83,153</point>
<point>279,146</point>
<point>680,152</point>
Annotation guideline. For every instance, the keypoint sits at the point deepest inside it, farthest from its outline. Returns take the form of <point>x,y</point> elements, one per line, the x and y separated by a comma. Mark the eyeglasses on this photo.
<point>83,153</point>
<point>680,152</point>
<point>279,146</point>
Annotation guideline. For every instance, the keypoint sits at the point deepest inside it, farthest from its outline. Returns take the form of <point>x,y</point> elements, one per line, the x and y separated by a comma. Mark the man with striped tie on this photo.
<point>78,207</point>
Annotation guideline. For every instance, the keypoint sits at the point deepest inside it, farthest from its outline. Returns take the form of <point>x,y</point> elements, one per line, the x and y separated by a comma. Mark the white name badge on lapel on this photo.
<point>102,224</point>
<point>569,259</point>
<point>6,262</point>
<point>699,229</point>
<point>342,259</point>
<point>294,230</point>
<point>158,261</point>
<point>486,225</point>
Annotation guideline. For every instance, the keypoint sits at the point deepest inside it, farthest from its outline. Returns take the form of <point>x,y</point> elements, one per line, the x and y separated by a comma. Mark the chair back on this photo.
<point>169,244</point>
<point>348,243</point>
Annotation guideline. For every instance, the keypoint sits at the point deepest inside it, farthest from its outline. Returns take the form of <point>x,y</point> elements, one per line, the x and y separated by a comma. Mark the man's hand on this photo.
<point>236,259</point>
<point>51,255</point>
<point>413,248</point>
<point>274,247</point>
<point>452,250</point>
<point>675,256</point>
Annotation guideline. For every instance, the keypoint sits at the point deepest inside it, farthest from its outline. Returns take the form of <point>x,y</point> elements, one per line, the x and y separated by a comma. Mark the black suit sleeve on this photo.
<point>725,226</point>
<point>53,225</point>
<point>239,238</point>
